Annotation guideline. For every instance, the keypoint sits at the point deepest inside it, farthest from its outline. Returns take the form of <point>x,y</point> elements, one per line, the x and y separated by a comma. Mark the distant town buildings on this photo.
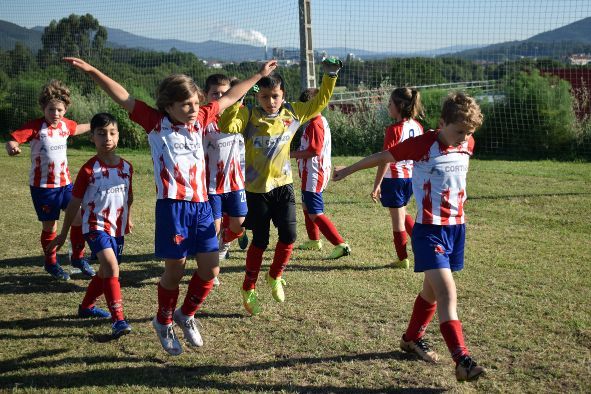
<point>579,59</point>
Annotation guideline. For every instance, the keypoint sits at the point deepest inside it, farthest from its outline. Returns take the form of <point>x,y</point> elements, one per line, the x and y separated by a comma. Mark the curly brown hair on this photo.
<point>55,91</point>
<point>460,108</point>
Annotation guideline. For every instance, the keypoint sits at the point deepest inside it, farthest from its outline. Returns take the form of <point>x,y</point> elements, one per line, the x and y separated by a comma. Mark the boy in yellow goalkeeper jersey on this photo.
<point>268,130</point>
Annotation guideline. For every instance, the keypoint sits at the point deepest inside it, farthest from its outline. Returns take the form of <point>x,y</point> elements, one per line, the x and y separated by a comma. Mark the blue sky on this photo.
<point>377,25</point>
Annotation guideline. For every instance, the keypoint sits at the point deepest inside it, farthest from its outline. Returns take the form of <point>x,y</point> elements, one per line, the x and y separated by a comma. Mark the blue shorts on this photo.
<point>232,203</point>
<point>100,240</point>
<point>438,246</point>
<point>396,192</point>
<point>313,201</point>
<point>183,228</point>
<point>49,202</point>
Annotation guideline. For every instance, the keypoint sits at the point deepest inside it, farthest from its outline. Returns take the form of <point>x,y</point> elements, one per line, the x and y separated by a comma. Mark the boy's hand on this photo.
<point>78,63</point>
<point>56,243</point>
<point>340,173</point>
<point>12,148</point>
<point>376,194</point>
<point>131,225</point>
<point>332,65</point>
<point>267,68</point>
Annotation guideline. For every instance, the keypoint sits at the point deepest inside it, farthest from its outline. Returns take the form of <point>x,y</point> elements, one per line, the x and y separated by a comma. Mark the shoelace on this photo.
<point>192,324</point>
<point>252,296</point>
<point>423,345</point>
<point>467,362</point>
<point>168,333</point>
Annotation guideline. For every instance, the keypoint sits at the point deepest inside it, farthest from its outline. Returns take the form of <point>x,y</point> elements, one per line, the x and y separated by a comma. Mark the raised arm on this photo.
<point>111,87</point>
<point>367,162</point>
<point>240,89</point>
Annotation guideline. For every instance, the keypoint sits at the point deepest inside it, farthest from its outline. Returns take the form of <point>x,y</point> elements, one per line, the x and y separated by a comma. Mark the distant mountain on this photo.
<point>574,38</point>
<point>579,31</point>
<point>10,34</point>
<point>558,43</point>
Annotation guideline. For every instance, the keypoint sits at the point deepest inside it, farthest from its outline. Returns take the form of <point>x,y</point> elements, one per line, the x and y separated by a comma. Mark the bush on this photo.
<point>534,118</point>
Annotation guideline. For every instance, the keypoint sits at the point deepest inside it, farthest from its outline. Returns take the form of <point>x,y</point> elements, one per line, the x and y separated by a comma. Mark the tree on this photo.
<point>80,36</point>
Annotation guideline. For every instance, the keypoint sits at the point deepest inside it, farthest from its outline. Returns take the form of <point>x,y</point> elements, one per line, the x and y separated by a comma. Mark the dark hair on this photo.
<point>102,119</point>
<point>174,88</point>
<point>216,80</point>
<point>461,108</point>
<point>271,82</point>
<point>55,91</point>
<point>408,102</point>
<point>308,94</point>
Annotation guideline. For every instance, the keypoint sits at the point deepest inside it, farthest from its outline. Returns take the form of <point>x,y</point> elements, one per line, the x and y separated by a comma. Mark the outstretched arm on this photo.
<point>82,128</point>
<point>241,88</point>
<point>13,148</point>
<point>111,87</point>
<point>368,162</point>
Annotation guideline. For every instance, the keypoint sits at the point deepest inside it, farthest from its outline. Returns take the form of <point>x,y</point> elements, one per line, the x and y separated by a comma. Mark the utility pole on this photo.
<point>307,69</point>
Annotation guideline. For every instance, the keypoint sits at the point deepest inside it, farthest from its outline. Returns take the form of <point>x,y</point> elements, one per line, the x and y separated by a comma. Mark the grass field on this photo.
<point>524,299</point>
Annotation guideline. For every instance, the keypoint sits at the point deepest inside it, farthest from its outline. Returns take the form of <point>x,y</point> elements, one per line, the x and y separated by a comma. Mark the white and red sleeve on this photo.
<point>82,180</point>
<point>145,116</point>
<point>27,131</point>
<point>414,148</point>
<point>208,113</point>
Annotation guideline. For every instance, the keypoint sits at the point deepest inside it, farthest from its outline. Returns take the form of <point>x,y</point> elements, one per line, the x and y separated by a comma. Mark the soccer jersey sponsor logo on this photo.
<point>263,141</point>
<point>191,146</point>
<point>58,147</point>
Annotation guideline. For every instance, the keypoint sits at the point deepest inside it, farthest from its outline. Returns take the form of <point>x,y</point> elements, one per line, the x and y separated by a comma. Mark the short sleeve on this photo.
<point>71,126</point>
<point>414,148</point>
<point>392,135</point>
<point>315,133</point>
<point>82,181</point>
<point>208,113</point>
<point>27,131</point>
<point>145,116</point>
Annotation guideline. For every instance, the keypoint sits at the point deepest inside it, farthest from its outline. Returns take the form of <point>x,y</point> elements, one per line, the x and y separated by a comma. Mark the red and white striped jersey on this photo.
<point>224,158</point>
<point>177,151</point>
<point>315,171</point>
<point>439,180</point>
<point>49,163</point>
<point>395,134</point>
<point>105,191</point>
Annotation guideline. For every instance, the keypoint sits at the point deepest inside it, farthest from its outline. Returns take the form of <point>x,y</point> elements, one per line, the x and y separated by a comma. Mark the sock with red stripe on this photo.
<point>400,244</point>
<point>454,338</point>
<point>422,313</point>
<point>328,229</point>
<point>254,259</point>
<point>280,259</point>
<point>166,304</point>
<point>409,223</point>
<point>112,291</point>
<point>196,294</point>
<point>46,238</point>
<point>311,228</point>
<point>93,292</point>
<point>229,235</point>
<point>77,241</point>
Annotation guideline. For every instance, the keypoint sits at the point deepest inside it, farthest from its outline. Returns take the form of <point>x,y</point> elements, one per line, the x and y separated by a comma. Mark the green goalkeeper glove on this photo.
<point>332,65</point>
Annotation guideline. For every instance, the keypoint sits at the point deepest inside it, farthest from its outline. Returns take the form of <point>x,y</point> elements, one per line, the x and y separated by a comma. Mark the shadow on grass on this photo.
<point>36,283</point>
<point>67,321</point>
<point>163,374</point>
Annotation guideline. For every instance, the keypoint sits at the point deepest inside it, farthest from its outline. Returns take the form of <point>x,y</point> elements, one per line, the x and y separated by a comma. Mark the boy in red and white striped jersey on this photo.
<point>314,167</point>
<point>103,194</point>
<point>439,185</point>
<point>49,179</point>
<point>184,223</point>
